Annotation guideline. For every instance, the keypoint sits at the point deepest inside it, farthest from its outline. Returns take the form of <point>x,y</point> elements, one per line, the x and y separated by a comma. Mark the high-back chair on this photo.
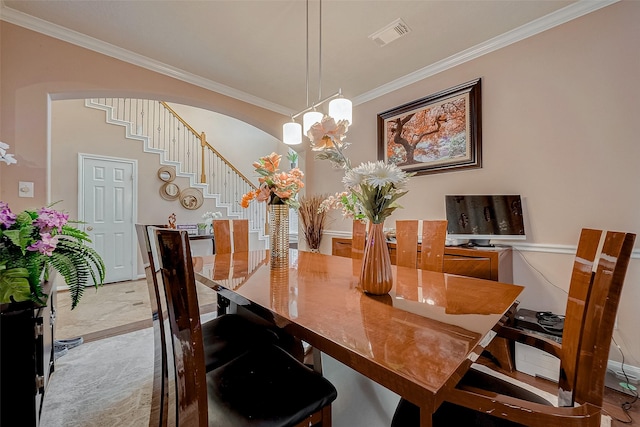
<point>262,387</point>
<point>434,237</point>
<point>240,235</point>
<point>159,397</point>
<point>358,238</point>
<point>225,337</point>
<point>434,234</point>
<point>222,236</point>
<point>228,241</point>
<point>484,397</point>
<point>407,243</point>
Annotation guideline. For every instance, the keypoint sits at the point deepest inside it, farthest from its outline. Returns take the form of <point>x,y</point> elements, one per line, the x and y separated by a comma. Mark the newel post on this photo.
<point>203,142</point>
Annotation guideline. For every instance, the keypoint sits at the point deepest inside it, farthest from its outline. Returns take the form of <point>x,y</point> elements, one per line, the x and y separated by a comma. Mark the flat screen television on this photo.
<point>482,218</point>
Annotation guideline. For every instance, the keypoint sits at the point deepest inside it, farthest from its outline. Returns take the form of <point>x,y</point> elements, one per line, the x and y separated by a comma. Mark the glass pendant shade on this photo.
<point>340,109</point>
<point>309,119</point>
<point>292,133</point>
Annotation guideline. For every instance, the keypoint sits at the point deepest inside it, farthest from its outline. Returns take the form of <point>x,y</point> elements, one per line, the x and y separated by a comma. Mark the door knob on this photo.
<point>89,228</point>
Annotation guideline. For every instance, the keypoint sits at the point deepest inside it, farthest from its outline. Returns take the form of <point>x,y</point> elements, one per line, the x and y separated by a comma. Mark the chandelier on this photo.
<point>340,108</point>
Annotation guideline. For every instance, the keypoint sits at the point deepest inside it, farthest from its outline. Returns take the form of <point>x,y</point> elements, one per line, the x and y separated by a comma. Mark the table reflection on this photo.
<point>442,297</point>
<point>230,270</point>
<point>283,296</point>
<point>424,329</point>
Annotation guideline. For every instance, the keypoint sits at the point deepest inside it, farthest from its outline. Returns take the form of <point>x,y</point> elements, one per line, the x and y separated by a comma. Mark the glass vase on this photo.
<point>279,234</point>
<point>376,277</point>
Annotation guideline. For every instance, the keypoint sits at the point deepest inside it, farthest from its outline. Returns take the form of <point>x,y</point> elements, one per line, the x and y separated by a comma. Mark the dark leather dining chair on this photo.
<point>225,336</point>
<point>485,399</point>
<point>264,386</point>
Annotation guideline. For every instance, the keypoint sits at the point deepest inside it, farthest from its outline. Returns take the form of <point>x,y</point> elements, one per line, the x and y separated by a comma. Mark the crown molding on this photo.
<point>562,16</point>
<point>566,14</point>
<point>53,30</point>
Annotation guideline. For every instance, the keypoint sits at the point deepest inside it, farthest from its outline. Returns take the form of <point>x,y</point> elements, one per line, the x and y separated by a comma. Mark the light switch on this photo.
<point>25,189</point>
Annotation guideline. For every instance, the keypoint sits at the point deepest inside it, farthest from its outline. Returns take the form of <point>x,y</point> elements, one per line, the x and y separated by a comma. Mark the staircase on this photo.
<point>166,134</point>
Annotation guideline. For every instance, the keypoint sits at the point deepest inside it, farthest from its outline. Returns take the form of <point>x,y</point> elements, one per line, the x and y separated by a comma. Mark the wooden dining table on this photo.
<point>417,341</point>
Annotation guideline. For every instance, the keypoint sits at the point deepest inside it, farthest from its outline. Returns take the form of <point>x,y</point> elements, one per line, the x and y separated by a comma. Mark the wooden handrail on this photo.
<point>204,144</point>
<point>171,110</point>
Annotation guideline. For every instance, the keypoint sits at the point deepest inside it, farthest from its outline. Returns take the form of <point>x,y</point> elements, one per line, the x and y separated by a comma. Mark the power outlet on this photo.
<point>25,189</point>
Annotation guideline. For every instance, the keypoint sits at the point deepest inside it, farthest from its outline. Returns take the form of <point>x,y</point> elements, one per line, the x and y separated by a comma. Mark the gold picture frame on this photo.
<point>167,173</point>
<point>191,198</point>
<point>170,191</point>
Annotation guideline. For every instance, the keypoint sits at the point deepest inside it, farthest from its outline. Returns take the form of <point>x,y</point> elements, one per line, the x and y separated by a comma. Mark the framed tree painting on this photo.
<point>438,133</point>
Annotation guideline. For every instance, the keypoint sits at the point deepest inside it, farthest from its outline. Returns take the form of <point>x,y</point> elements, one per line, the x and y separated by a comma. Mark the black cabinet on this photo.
<point>26,358</point>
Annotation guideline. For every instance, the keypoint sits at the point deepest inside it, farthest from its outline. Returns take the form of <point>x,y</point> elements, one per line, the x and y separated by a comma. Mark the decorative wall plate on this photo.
<point>167,173</point>
<point>169,191</point>
<point>191,198</point>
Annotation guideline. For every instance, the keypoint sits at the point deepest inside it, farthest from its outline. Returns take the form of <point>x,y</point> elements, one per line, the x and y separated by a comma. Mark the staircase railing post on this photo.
<point>203,144</point>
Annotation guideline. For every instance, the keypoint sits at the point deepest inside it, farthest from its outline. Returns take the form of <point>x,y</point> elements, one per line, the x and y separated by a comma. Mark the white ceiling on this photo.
<point>256,50</point>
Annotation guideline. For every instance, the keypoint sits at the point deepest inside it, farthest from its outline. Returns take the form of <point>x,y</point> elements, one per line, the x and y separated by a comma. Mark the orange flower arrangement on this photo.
<point>276,187</point>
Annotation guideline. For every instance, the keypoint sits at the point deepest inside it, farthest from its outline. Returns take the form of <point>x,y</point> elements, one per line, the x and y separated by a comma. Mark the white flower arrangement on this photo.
<point>210,216</point>
<point>327,137</point>
<point>346,202</point>
<point>377,186</point>
<point>372,188</point>
<point>4,156</point>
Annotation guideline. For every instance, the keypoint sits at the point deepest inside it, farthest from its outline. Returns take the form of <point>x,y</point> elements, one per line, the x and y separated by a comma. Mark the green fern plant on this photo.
<point>34,242</point>
<point>77,263</point>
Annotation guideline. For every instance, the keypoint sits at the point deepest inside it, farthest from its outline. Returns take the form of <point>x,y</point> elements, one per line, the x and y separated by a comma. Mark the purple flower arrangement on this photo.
<point>32,243</point>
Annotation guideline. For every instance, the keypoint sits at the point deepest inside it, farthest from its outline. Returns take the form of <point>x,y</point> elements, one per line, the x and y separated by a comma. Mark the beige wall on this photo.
<point>559,112</point>
<point>558,121</point>
<point>36,68</point>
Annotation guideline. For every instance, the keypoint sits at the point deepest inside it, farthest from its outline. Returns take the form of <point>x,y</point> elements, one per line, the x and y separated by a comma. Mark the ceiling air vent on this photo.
<point>391,32</point>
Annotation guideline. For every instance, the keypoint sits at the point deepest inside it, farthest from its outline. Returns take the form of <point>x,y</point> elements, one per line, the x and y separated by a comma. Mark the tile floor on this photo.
<point>112,309</point>
<point>119,310</point>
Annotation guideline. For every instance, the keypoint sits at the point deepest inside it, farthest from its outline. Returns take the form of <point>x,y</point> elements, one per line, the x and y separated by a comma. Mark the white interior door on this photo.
<point>106,204</point>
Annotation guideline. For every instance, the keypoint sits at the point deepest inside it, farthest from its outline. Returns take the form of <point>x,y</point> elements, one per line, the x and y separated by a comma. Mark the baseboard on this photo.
<point>616,379</point>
